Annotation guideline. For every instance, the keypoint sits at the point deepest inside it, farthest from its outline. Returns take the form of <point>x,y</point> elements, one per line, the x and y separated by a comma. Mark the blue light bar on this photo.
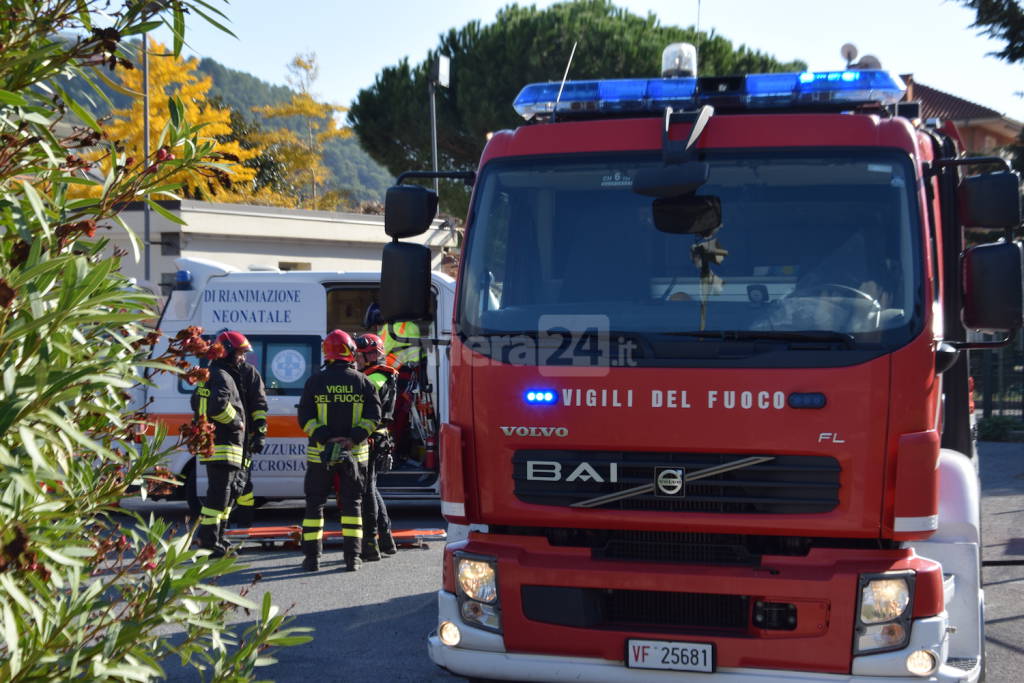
<point>539,396</point>
<point>851,87</point>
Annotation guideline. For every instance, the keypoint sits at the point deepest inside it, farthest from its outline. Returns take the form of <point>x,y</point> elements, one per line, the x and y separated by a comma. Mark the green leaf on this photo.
<point>13,98</point>
<point>81,113</point>
<point>37,205</point>
<point>231,597</point>
<point>164,212</point>
<point>178,30</point>
<point>144,27</point>
<point>11,637</point>
<point>59,557</point>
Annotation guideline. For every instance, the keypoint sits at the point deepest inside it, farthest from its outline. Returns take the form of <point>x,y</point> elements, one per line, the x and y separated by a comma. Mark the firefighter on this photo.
<point>339,409</point>
<point>254,398</point>
<point>219,400</point>
<point>377,536</point>
<point>406,356</point>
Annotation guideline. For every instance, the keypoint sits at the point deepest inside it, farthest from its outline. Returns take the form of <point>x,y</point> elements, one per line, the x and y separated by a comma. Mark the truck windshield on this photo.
<point>822,244</point>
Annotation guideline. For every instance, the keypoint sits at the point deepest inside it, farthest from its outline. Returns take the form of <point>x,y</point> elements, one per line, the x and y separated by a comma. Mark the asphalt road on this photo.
<point>372,624</point>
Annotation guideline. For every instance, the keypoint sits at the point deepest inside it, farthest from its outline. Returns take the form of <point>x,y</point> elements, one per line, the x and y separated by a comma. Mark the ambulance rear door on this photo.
<point>283,316</point>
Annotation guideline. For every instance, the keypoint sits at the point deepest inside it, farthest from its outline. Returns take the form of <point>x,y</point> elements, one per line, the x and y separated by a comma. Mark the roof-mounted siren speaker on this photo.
<point>679,59</point>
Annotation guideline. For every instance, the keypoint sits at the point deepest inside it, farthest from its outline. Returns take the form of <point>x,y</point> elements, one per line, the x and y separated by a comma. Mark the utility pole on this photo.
<point>439,76</point>
<point>145,147</point>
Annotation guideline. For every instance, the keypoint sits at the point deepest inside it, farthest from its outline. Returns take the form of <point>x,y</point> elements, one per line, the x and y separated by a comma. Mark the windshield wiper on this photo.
<point>782,335</point>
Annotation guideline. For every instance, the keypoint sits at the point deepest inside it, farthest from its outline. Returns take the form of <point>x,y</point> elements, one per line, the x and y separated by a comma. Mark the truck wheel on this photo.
<point>195,502</point>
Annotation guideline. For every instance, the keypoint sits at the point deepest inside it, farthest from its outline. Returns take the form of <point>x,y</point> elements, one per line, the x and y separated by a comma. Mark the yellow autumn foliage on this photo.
<point>302,153</point>
<point>174,76</point>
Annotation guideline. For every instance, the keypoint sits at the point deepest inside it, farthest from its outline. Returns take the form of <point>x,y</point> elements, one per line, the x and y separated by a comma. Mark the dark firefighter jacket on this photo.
<point>219,400</point>
<point>385,379</point>
<point>254,397</point>
<point>339,401</point>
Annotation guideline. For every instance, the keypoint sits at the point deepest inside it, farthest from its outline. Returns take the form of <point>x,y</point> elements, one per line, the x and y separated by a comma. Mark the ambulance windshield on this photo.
<point>810,242</point>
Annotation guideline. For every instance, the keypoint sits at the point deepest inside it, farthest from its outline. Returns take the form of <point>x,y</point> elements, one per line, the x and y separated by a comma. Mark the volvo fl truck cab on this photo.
<point>709,405</point>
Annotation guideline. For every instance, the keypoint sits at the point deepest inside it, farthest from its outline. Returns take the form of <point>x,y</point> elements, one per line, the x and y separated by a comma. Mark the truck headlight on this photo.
<point>883,600</point>
<point>477,580</point>
<point>884,611</point>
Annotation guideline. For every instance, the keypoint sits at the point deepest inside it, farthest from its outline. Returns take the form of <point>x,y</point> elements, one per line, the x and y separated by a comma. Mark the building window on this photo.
<point>294,265</point>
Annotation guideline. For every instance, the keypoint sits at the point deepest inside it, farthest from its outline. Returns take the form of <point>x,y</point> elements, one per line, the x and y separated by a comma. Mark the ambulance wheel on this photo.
<point>195,503</point>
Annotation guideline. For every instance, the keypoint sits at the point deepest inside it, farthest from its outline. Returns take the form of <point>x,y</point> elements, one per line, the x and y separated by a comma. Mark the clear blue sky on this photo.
<point>355,40</point>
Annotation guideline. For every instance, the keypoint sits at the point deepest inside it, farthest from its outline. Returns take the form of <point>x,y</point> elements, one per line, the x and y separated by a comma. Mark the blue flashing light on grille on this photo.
<point>815,400</point>
<point>850,87</point>
<point>540,396</point>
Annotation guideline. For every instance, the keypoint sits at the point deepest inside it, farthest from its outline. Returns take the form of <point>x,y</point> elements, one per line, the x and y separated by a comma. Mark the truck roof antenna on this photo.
<point>564,76</point>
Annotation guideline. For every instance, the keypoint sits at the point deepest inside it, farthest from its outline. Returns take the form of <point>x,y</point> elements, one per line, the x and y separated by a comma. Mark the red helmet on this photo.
<point>338,345</point>
<point>233,341</point>
<point>370,343</point>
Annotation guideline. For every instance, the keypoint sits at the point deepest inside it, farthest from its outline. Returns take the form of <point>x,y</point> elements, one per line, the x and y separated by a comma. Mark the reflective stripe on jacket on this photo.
<point>254,396</point>
<point>338,401</point>
<point>386,380</point>
<point>219,401</point>
<point>398,352</point>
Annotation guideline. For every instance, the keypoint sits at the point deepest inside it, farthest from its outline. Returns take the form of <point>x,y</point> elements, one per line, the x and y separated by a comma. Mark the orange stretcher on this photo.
<point>291,536</point>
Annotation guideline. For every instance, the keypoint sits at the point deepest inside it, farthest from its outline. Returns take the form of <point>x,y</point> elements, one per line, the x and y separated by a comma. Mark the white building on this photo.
<point>261,237</point>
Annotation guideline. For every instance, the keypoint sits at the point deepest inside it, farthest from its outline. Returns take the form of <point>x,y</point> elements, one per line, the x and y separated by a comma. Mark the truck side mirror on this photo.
<point>993,283</point>
<point>990,200</point>
<point>405,281</point>
<point>408,210</point>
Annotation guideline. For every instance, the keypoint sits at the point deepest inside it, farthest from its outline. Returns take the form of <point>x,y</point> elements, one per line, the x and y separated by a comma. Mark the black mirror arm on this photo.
<point>996,344</point>
<point>677,151</point>
<point>937,165</point>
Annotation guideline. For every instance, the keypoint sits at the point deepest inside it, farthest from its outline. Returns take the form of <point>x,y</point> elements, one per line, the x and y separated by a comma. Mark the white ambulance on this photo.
<point>285,316</point>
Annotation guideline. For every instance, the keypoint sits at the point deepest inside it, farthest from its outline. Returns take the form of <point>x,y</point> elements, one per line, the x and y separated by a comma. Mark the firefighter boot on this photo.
<point>223,543</point>
<point>312,551</point>
<point>387,543</point>
<point>207,535</point>
<point>370,552</point>
<point>352,548</point>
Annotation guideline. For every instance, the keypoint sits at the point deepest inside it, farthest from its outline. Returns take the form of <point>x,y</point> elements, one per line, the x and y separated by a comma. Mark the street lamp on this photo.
<point>440,71</point>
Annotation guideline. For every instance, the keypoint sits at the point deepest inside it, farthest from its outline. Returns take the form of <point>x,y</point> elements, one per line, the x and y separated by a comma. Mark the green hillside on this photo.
<point>356,175</point>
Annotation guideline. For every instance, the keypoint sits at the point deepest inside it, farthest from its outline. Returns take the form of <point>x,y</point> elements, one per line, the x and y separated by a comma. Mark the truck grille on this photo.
<point>629,609</point>
<point>786,484</point>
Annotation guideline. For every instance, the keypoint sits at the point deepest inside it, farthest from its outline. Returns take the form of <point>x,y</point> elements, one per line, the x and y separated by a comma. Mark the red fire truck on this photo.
<point>710,410</point>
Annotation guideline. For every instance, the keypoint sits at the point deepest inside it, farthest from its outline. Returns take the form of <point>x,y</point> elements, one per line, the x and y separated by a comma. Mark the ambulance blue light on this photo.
<point>540,396</point>
<point>852,87</point>
<point>183,279</point>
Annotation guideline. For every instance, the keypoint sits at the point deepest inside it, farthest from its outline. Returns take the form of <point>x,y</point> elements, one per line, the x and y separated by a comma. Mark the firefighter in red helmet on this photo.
<point>377,536</point>
<point>219,400</point>
<point>339,409</point>
<point>254,398</point>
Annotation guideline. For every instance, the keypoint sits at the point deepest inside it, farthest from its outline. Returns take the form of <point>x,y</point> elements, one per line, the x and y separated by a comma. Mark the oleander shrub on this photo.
<point>89,591</point>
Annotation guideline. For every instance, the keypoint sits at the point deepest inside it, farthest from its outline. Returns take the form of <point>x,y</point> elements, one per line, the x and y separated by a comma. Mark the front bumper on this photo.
<point>483,654</point>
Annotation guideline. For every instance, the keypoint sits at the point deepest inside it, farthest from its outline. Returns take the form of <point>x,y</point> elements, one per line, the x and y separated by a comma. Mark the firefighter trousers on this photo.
<point>220,479</point>
<point>317,487</point>
<point>243,501</point>
<point>376,521</point>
